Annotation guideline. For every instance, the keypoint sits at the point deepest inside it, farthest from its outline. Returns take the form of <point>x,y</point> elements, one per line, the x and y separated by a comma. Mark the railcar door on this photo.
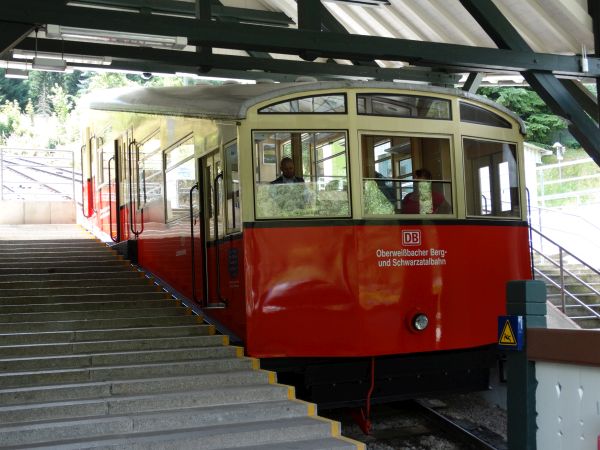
<point>110,163</point>
<point>211,191</point>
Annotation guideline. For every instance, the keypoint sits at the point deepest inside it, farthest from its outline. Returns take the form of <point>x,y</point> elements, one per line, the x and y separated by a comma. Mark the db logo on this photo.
<point>411,237</point>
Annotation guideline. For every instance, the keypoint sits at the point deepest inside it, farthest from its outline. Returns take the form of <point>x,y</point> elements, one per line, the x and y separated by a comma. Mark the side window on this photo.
<point>301,174</point>
<point>180,176</point>
<point>150,170</point>
<point>232,177</point>
<point>406,175</point>
<point>481,116</point>
<point>492,180</point>
<point>419,107</point>
<point>319,104</point>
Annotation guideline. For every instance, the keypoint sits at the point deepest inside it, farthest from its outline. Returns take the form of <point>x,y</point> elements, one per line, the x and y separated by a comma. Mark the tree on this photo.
<point>542,126</point>
<point>11,89</point>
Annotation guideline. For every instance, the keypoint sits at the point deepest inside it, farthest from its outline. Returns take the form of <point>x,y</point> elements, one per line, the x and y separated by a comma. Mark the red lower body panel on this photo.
<point>353,290</point>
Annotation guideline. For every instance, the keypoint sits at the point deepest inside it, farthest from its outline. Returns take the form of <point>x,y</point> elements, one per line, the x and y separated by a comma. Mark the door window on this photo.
<point>180,176</point>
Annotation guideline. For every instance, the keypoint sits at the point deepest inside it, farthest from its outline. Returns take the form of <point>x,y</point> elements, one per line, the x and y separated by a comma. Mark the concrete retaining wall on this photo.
<point>17,212</point>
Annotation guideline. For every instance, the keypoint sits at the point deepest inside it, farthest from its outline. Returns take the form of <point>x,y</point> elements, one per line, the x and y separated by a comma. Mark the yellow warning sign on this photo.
<point>507,337</point>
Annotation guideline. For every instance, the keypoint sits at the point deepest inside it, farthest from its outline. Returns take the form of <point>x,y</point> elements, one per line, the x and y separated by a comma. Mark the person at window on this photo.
<point>423,200</point>
<point>287,173</point>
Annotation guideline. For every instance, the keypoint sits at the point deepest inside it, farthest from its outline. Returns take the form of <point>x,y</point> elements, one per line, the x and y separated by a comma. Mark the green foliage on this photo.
<point>375,201</point>
<point>11,89</point>
<point>542,126</point>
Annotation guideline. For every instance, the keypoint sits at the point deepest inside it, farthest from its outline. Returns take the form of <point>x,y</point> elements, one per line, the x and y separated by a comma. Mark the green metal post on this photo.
<point>525,298</point>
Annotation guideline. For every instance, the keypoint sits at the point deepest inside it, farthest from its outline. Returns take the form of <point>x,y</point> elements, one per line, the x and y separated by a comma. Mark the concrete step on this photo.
<point>119,405</point>
<point>76,361</point>
<point>74,348</point>
<point>104,306</point>
<point>145,386</point>
<point>77,290</point>
<point>123,372</point>
<point>42,254</point>
<point>72,325</point>
<point>62,269</point>
<point>331,443</point>
<point>91,314</point>
<point>40,278</point>
<point>58,263</point>
<point>85,298</point>
<point>149,422</point>
<point>83,281</point>
<point>108,334</point>
<point>50,260</point>
<point>273,432</point>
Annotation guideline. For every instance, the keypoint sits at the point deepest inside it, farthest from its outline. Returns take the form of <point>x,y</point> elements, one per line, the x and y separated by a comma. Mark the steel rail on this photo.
<point>451,428</point>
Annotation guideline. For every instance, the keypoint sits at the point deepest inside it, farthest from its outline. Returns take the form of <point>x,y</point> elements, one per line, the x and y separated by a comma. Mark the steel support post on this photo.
<point>524,298</point>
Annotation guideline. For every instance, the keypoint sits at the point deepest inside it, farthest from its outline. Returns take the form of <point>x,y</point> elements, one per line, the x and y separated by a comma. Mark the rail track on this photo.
<point>30,178</point>
<point>416,425</point>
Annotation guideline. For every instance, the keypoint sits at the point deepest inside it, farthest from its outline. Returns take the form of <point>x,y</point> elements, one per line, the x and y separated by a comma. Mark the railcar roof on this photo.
<point>231,101</point>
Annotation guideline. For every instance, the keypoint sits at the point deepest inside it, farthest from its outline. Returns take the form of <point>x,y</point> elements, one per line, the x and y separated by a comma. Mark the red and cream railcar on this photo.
<point>393,252</point>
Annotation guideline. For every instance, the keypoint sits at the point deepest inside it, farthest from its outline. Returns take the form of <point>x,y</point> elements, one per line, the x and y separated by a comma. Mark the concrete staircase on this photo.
<point>580,315</point>
<point>94,355</point>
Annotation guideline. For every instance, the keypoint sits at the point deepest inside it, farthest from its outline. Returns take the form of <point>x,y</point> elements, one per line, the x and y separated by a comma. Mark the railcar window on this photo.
<point>180,176</point>
<point>151,170</point>
<point>476,114</point>
<point>406,175</point>
<point>320,104</point>
<point>232,177</point>
<point>492,181</point>
<point>314,180</point>
<point>415,106</point>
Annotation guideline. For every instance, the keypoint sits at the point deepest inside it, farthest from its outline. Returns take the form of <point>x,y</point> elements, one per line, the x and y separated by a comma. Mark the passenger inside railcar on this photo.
<point>288,173</point>
<point>389,164</point>
<point>423,199</point>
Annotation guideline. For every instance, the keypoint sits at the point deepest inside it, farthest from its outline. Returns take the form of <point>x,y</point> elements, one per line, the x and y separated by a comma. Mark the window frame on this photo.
<point>520,181</point>
<point>237,224</point>
<point>489,111</point>
<point>382,94</point>
<point>344,95</point>
<point>346,133</point>
<point>141,191</point>
<point>189,136</point>
<point>453,180</point>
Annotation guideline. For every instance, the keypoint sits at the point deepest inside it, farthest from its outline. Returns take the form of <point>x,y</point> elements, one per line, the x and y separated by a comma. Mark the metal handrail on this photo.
<point>217,255</point>
<point>132,206</point>
<point>88,181</point>
<point>564,292</point>
<point>193,252</point>
<point>110,227</point>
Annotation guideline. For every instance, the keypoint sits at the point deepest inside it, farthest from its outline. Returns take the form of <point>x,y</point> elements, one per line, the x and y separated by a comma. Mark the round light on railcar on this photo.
<point>420,322</point>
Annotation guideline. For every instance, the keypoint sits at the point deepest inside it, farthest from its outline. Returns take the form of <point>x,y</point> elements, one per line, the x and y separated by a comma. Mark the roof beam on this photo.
<point>473,82</point>
<point>594,10</point>
<point>548,87</point>
<point>218,11</point>
<point>202,64</point>
<point>291,41</point>
<point>583,96</point>
<point>11,34</point>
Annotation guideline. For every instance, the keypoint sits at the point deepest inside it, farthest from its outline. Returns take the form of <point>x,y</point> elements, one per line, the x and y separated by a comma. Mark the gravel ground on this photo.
<point>397,426</point>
